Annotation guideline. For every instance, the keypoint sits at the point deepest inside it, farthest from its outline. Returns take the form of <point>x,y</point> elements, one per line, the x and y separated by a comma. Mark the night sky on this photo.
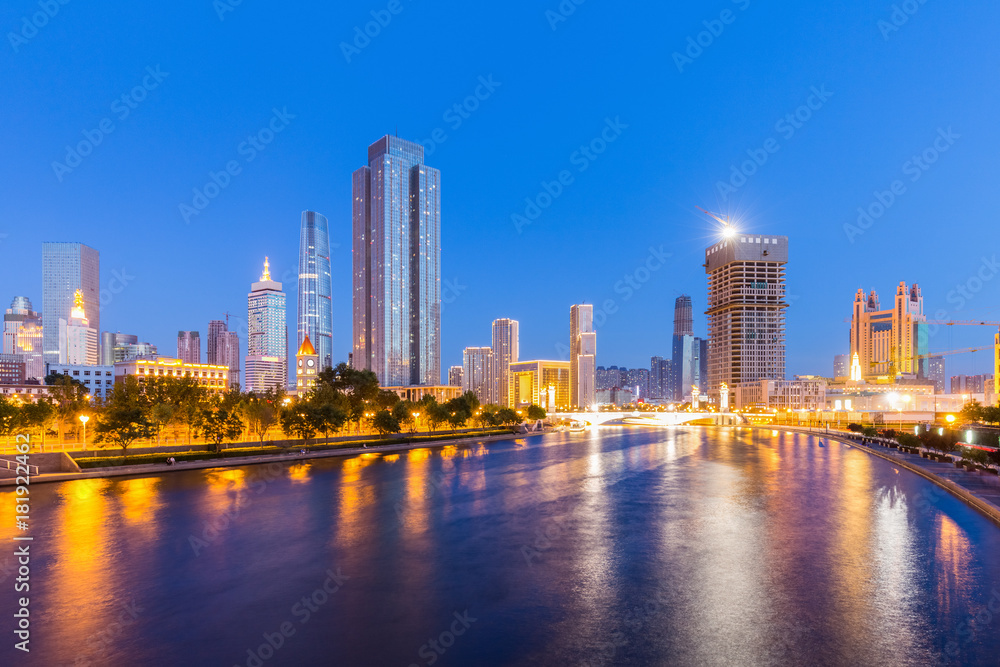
<point>672,118</point>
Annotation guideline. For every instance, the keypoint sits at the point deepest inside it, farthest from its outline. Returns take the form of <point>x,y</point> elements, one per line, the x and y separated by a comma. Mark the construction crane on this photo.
<point>714,215</point>
<point>968,323</point>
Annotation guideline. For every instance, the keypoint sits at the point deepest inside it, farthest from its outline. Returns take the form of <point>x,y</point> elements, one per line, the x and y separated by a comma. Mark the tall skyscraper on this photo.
<point>688,358</point>
<point>477,373</point>
<point>22,335</point>
<point>67,267</point>
<point>315,318</point>
<point>110,340</point>
<point>683,316</point>
<point>397,265</point>
<point>215,327</point>
<point>889,342</point>
<point>78,341</point>
<point>583,357</point>
<point>505,351</point>
<point>189,347</point>
<point>267,343</point>
<point>455,375</point>
<point>746,309</point>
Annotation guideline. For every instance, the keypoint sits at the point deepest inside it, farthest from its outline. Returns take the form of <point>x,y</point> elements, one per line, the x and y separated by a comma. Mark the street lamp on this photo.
<point>84,419</point>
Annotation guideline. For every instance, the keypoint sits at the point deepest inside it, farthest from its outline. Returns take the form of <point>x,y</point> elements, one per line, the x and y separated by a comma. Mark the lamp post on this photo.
<point>84,419</point>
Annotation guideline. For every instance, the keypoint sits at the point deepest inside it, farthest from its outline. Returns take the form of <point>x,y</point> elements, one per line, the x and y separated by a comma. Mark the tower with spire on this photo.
<point>306,367</point>
<point>267,339</point>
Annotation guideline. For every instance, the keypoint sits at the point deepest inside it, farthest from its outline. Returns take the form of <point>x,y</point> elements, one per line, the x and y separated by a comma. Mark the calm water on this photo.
<point>617,546</point>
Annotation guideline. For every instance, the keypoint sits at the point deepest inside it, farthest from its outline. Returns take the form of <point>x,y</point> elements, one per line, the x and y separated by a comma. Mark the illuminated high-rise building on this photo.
<point>78,341</point>
<point>890,343</point>
<point>477,373</point>
<point>505,351</point>
<point>746,309</point>
<point>66,268</point>
<point>22,335</point>
<point>215,327</point>
<point>455,375</point>
<point>397,265</point>
<point>583,356</point>
<point>315,308</point>
<point>189,347</point>
<point>223,349</point>
<point>267,340</point>
<point>683,316</point>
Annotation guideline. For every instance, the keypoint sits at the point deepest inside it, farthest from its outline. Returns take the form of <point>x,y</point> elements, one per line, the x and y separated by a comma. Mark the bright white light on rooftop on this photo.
<point>728,231</point>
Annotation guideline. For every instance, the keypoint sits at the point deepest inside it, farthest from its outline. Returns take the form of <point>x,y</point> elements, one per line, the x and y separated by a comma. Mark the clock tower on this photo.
<point>306,367</point>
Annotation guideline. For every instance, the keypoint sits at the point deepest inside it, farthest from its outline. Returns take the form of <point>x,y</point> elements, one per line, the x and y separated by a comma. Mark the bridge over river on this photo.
<point>654,418</point>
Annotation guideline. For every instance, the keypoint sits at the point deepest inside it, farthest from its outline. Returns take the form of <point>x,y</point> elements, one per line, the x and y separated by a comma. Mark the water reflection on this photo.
<point>661,546</point>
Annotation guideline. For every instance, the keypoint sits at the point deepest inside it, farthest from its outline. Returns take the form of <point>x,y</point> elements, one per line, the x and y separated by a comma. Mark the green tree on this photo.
<point>437,414</point>
<point>991,414</point>
<point>972,412</point>
<point>403,413</point>
<point>219,422</point>
<point>536,412</point>
<point>11,418</point>
<point>39,416</point>
<point>508,417</point>
<point>262,411</point>
<point>124,417</point>
<point>385,423</point>
<point>359,388</point>
<point>299,420</point>
<point>69,398</point>
<point>160,415</point>
<point>487,416</point>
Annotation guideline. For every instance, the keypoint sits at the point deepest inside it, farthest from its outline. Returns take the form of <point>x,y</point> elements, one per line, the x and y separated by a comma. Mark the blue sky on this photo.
<point>682,124</point>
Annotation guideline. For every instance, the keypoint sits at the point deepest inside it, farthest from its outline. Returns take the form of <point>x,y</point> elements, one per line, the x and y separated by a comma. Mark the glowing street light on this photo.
<point>84,419</point>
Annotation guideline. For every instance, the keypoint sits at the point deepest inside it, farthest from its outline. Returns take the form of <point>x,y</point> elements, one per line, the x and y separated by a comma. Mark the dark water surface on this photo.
<point>618,546</point>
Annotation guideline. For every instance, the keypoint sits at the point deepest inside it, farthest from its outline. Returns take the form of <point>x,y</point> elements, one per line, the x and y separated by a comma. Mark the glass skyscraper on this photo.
<point>397,265</point>
<point>66,268</point>
<point>315,318</point>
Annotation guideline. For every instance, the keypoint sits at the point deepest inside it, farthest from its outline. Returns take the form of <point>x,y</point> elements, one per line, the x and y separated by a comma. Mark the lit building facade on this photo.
<point>189,346</point>
<point>415,393</point>
<point>455,375</point>
<point>505,352</point>
<point>215,327</point>
<point>22,335</point>
<point>267,344</point>
<point>781,395</point>
<point>397,265</point>
<point>889,343</point>
<point>936,373</point>
<point>477,373</point>
<point>583,356</point>
<point>315,307</point>
<point>66,268</point>
<point>661,379</point>
<point>746,309</point>
<point>542,383</point>
<point>214,378</point>
<point>307,367</point>
<point>616,396</point>
<point>117,347</point>
<point>842,366</point>
<point>78,341</point>
<point>97,380</point>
